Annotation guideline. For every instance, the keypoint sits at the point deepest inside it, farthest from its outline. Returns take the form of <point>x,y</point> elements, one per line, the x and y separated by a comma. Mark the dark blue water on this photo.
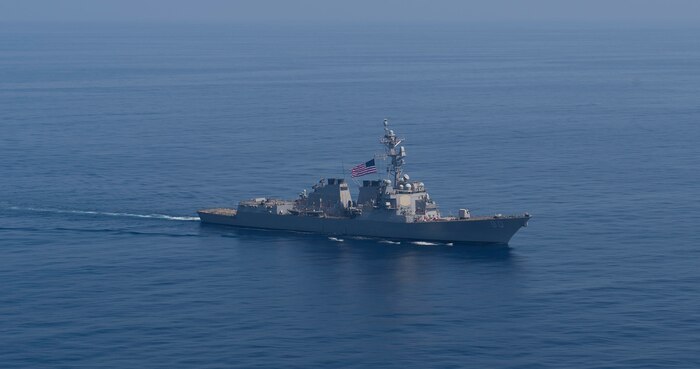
<point>111,136</point>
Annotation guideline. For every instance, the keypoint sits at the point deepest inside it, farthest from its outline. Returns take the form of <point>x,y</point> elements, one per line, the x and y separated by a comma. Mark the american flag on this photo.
<point>364,169</point>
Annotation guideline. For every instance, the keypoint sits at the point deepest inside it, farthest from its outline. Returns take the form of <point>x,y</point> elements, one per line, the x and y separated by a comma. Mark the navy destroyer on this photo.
<point>392,208</point>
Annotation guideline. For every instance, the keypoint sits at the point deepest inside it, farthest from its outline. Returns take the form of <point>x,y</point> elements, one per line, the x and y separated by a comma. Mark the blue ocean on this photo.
<point>113,135</point>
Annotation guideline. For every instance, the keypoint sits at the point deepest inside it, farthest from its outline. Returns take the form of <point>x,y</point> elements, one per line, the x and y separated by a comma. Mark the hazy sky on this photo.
<point>351,10</point>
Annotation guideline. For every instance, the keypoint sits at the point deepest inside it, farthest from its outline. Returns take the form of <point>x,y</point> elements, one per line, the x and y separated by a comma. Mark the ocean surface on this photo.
<point>113,135</point>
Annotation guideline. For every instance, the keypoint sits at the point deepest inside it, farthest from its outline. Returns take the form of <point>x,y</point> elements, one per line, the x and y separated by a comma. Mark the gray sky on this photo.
<point>351,10</point>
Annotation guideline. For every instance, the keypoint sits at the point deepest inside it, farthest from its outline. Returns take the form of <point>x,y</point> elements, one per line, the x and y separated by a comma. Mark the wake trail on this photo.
<point>111,214</point>
<point>424,243</point>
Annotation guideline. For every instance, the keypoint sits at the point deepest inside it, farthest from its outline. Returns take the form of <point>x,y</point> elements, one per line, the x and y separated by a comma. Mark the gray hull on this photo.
<point>475,230</point>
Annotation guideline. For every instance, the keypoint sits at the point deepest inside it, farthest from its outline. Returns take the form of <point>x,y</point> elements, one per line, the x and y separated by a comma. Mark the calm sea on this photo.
<point>111,136</point>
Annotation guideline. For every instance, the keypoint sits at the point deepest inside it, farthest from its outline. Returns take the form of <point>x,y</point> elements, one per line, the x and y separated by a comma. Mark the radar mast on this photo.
<point>395,152</point>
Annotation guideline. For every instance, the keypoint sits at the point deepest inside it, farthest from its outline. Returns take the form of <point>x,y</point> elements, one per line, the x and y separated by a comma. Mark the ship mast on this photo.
<point>394,151</point>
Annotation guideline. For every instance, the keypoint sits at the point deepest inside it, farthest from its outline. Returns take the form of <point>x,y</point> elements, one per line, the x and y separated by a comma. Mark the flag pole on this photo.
<point>351,177</point>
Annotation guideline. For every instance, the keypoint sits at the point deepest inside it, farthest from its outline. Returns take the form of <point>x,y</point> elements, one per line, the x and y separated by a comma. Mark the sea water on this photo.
<point>113,135</point>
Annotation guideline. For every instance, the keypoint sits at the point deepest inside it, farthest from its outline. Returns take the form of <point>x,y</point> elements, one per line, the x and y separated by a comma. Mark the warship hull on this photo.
<point>496,230</point>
